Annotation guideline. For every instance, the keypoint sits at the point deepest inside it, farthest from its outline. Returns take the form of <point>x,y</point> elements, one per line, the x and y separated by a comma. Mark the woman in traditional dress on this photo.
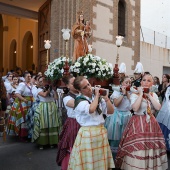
<point>70,128</point>
<point>142,145</point>
<point>11,94</point>
<point>23,101</point>
<point>47,122</point>
<point>91,149</point>
<point>162,87</point>
<point>163,117</point>
<point>14,85</point>
<point>7,83</point>
<point>36,101</point>
<point>155,85</point>
<point>116,123</point>
<point>80,35</point>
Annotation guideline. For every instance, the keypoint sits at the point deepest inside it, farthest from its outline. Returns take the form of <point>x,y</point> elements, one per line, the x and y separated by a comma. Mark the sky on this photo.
<point>155,15</point>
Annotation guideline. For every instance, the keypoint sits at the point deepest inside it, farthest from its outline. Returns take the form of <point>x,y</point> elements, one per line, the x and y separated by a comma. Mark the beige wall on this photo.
<point>17,28</point>
<point>104,21</point>
<point>103,16</point>
<point>154,58</point>
<point>105,32</point>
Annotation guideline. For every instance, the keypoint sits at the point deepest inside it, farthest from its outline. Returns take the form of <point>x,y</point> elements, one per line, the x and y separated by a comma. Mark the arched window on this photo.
<point>27,51</point>
<point>121,18</point>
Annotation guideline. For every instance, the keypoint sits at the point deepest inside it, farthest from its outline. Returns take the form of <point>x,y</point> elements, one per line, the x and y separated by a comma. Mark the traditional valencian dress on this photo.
<point>142,145</point>
<point>91,149</point>
<point>17,117</point>
<point>47,122</point>
<point>116,122</point>
<point>31,111</point>
<point>11,91</point>
<point>68,134</point>
<point>163,118</point>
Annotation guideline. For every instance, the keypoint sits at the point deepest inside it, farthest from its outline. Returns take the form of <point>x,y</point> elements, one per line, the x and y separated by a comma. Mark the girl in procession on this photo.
<point>91,149</point>
<point>142,145</point>
<point>116,123</point>
<point>47,122</point>
<point>23,101</point>
<point>70,128</point>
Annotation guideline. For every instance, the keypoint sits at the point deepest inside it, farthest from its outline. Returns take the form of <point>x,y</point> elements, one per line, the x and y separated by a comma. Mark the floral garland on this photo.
<point>92,66</point>
<point>55,69</point>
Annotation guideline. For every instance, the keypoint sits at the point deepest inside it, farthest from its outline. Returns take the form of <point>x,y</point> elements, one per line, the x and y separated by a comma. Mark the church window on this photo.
<point>121,18</point>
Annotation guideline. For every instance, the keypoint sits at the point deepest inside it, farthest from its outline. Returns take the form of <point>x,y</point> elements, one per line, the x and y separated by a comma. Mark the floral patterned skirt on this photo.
<point>17,116</point>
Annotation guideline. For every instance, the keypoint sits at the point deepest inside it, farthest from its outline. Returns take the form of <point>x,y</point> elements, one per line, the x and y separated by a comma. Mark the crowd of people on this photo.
<point>127,129</point>
<point>32,113</point>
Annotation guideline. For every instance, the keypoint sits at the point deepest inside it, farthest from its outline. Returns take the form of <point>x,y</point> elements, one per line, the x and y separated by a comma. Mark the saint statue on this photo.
<point>80,33</point>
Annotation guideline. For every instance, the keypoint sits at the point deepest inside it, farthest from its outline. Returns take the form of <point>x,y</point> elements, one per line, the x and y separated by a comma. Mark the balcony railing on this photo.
<point>152,37</point>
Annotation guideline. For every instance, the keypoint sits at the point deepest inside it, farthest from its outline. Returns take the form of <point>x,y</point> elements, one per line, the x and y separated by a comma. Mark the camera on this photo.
<point>134,89</point>
<point>66,90</point>
<point>46,87</point>
<point>146,90</point>
<point>103,92</point>
<point>126,88</point>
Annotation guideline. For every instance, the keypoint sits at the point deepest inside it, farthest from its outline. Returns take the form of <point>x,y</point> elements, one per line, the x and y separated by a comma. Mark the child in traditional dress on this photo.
<point>47,122</point>
<point>91,149</point>
<point>70,128</point>
<point>116,123</point>
<point>142,145</point>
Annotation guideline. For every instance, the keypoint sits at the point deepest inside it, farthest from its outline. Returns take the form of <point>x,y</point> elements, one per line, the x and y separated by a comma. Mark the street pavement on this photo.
<point>17,155</point>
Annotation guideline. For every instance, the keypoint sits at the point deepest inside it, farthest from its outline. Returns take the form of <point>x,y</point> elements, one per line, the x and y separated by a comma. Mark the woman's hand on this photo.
<point>96,89</point>
<point>154,102</point>
<point>123,90</point>
<point>105,98</point>
<point>140,90</point>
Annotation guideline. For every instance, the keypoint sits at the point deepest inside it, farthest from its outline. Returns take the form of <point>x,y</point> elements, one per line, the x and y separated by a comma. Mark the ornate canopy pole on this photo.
<point>66,37</point>
<point>116,69</point>
<point>47,46</point>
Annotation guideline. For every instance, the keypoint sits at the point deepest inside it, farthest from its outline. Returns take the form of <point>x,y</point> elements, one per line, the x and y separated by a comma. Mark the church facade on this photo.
<point>108,19</point>
<point>23,35</point>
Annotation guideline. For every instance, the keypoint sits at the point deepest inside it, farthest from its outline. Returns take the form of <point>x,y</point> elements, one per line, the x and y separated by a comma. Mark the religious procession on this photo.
<point>95,115</point>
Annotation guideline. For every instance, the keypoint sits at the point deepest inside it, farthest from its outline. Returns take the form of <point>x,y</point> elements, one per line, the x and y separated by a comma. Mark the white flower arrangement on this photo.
<point>92,66</point>
<point>55,69</point>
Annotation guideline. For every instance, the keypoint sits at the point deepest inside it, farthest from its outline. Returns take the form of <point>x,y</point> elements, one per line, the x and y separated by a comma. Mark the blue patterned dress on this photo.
<point>163,118</point>
<point>116,123</point>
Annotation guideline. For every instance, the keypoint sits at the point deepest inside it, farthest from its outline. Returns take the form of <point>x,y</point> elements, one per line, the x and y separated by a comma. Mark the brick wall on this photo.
<point>63,15</point>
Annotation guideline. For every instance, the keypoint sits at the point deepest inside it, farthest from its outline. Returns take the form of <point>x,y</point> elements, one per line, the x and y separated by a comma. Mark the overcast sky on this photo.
<point>155,15</point>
